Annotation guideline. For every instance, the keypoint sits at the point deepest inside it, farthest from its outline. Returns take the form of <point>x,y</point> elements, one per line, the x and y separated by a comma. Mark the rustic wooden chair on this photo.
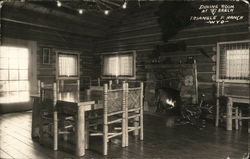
<point>113,116</point>
<point>233,112</point>
<point>62,122</point>
<point>48,115</point>
<point>66,117</point>
<point>134,110</point>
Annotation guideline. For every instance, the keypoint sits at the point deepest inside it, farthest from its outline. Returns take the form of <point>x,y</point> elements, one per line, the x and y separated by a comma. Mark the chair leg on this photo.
<point>229,114</point>
<point>55,131</point>
<point>124,132</point>
<point>86,134</point>
<point>105,139</point>
<point>41,132</point>
<point>217,114</point>
<point>141,129</point>
<point>236,118</point>
<point>240,115</point>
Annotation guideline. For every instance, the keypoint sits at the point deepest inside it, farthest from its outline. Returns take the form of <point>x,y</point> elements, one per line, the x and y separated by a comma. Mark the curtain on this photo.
<point>237,64</point>
<point>118,65</point>
<point>67,65</point>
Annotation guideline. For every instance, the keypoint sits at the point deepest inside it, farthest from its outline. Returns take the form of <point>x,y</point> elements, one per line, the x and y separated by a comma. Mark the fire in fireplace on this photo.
<point>168,101</point>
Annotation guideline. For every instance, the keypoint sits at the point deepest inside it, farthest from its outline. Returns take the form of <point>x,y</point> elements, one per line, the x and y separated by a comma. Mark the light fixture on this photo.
<point>124,6</point>
<point>106,12</point>
<point>80,11</point>
<point>59,4</point>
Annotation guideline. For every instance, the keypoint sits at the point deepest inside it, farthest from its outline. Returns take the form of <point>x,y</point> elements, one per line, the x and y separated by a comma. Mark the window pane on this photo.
<point>13,63</point>
<point>67,65</point>
<point>111,66</point>
<point>4,63</point>
<point>4,75</point>
<point>23,74</point>
<point>23,85</point>
<point>23,53</point>
<point>23,63</point>
<point>126,65</point>
<point>4,51</point>
<point>4,86</point>
<point>13,75</point>
<point>13,85</point>
<point>13,52</point>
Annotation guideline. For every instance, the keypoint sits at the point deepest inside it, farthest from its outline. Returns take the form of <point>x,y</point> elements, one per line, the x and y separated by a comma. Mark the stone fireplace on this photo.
<point>173,79</point>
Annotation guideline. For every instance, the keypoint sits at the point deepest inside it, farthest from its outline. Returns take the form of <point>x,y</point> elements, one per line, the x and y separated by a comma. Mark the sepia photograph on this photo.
<point>124,79</point>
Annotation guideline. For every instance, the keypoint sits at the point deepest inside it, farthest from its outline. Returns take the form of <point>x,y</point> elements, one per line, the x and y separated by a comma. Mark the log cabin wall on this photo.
<point>140,31</point>
<point>53,28</point>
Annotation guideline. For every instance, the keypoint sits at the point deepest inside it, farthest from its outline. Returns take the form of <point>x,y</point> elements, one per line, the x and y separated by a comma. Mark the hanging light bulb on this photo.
<point>59,4</point>
<point>80,11</point>
<point>106,12</point>
<point>124,6</point>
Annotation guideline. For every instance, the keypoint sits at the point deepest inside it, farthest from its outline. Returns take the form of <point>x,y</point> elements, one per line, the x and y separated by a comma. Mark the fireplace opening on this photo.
<point>168,101</point>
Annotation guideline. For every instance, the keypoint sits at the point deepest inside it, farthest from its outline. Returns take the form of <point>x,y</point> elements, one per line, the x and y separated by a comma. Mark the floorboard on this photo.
<point>182,141</point>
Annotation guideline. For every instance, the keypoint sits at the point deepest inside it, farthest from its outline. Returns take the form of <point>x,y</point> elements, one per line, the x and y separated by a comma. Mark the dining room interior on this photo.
<point>124,79</point>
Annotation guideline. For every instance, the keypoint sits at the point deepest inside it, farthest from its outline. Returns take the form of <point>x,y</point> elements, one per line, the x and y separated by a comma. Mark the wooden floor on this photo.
<point>160,142</point>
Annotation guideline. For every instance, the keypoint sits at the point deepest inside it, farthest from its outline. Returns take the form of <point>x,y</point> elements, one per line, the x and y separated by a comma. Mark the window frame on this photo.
<point>129,52</point>
<point>218,79</point>
<point>58,77</point>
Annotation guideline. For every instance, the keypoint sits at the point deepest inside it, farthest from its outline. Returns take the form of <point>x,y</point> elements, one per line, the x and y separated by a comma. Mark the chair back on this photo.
<point>114,100</point>
<point>68,85</point>
<point>134,97</point>
<point>48,95</point>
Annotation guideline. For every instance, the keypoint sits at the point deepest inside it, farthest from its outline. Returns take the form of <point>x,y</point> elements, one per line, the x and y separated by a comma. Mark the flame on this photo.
<point>170,102</point>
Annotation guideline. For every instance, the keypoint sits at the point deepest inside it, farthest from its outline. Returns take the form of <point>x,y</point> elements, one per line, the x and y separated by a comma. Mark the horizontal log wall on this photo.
<point>140,31</point>
<point>56,30</point>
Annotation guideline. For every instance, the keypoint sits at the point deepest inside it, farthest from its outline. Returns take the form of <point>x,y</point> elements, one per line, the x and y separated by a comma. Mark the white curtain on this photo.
<point>237,63</point>
<point>118,65</point>
<point>67,65</point>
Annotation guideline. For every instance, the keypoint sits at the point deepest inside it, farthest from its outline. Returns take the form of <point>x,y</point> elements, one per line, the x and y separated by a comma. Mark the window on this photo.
<point>233,61</point>
<point>14,84</point>
<point>67,65</point>
<point>120,65</point>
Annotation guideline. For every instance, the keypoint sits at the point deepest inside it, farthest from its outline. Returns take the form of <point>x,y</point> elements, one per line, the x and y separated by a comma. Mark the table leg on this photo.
<point>80,132</point>
<point>33,119</point>
<point>237,118</point>
<point>229,113</point>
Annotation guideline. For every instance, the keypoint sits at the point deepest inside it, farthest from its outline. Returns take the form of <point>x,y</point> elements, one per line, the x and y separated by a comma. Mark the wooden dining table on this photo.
<point>78,102</point>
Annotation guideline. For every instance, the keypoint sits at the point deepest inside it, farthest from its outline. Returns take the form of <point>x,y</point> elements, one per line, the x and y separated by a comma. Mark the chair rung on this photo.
<point>134,116</point>
<point>114,121</point>
<point>64,132</point>
<point>115,113</point>
<point>96,134</point>
<point>133,128</point>
<point>244,118</point>
<point>69,118</point>
<point>114,135</point>
<point>69,126</point>
<point>135,109</point>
